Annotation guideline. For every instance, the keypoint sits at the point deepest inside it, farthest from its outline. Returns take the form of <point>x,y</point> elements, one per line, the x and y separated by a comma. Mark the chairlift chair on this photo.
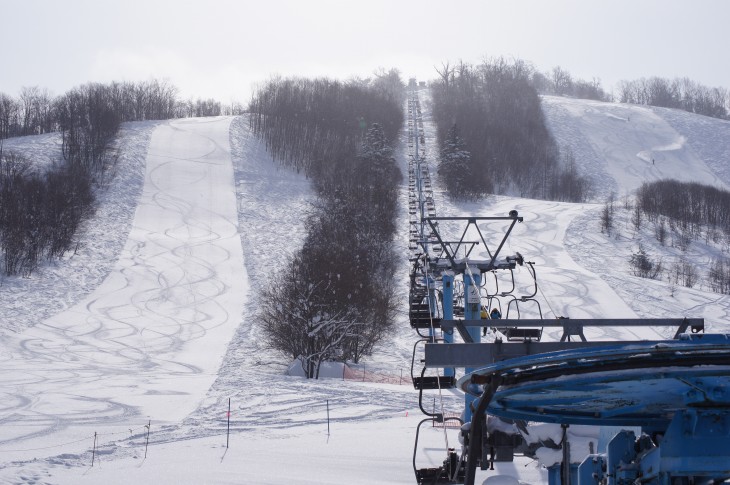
<point>453,469</point>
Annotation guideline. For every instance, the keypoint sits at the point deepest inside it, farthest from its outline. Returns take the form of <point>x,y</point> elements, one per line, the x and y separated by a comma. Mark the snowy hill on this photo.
<point>621,146</point>
<point>153,319</point>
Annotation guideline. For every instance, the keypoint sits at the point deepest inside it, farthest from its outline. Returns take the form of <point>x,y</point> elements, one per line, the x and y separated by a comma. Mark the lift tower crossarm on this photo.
<point>451,252</point>
<point>575,326</point>
<point>470,354</point>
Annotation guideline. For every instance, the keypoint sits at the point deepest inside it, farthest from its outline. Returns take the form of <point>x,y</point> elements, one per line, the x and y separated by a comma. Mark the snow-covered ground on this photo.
<point>153,320</point>
<point>621,146</point>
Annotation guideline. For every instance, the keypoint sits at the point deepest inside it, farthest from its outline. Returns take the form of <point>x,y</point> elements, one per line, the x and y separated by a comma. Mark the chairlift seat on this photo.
<point>424,320</point>
<point>428,476</point>
<point>515,334</point>
<point>434,382</point>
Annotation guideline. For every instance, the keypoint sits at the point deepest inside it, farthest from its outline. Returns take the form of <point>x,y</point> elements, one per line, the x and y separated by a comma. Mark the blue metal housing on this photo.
<point>677,391</point>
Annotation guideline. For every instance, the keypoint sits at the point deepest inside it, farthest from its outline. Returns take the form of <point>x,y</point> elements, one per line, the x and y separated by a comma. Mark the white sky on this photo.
<point>220,48</point>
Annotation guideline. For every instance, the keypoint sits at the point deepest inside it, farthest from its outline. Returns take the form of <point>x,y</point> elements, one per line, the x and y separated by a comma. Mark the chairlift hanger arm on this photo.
<point>504,239</point>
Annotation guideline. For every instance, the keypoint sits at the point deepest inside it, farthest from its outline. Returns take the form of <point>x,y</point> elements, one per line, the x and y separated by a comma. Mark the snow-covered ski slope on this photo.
<point>154,318</point>
<point>621,146</point>
<point>148,340</point>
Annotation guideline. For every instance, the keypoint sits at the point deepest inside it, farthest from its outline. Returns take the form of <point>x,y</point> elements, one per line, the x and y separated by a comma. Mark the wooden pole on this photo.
<point>328,417</point>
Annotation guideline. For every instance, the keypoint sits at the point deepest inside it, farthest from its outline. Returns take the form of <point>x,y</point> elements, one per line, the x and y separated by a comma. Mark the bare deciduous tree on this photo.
<point>334,300</point>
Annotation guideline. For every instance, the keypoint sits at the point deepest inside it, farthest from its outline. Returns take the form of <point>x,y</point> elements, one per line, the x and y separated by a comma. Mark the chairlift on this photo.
<point>428,382</point>
<point>520,334</point>
<point>453,468</point>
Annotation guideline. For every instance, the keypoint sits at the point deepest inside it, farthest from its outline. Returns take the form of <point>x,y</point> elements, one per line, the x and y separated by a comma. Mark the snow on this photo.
<point>44,151</point>
<point>627,145</point>
<point>153,319</point>
<point>57,287</point>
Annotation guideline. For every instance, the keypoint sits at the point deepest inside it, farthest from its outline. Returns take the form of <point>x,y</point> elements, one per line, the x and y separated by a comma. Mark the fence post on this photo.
<point>228,431</point>
<point>328,417</point>
<point>147,441</point>
<point>93,450</point>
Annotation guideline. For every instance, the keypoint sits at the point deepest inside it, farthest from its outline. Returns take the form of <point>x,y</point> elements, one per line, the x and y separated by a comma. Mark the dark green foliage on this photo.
<point>643,266</point>
<point>454,166</point>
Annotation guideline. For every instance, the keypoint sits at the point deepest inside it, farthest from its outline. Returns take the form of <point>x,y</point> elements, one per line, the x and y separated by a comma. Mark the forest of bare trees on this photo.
<point>493,135</point>
<point>679,93</point>
<point>334,299</point>
<point>35,111</point>
<point>316,125</point>
<point>560,82</point>
<point>691,206</point>
<point>681,213</point>
<point>40,211</point>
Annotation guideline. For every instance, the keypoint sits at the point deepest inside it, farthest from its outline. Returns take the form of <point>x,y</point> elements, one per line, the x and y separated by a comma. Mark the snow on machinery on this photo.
<point>455,342</point>
<point>667,402</point>
<point>677,392</point>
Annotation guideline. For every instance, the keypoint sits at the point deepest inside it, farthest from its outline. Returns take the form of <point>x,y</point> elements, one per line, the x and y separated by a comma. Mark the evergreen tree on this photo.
<point>454,165</point>
<point>643,266</point>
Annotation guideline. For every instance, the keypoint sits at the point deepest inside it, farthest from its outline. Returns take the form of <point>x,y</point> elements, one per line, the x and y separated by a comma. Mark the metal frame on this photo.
<point>460,266</point>
<point>686,399</point>
<point>574,326</point>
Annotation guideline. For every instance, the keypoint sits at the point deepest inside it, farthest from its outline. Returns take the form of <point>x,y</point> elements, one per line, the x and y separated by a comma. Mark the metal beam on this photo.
<point>479,355</point>
<point>574,326</point>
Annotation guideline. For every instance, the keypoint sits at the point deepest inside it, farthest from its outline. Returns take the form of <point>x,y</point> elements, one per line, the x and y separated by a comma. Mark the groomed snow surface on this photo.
<point>153,319</point>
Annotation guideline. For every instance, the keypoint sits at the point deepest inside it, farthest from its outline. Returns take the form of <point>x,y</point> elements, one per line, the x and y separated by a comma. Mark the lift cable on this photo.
<point>417,170</point>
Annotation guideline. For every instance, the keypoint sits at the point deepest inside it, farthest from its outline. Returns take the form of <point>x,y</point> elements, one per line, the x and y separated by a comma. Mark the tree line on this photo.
<point>35,111</point>
<point>680,213</point>
<point>692,206</point>
<point>493,135</point>
<point>315,125</point>
<point>333,300</point>
<point>679,93</point>
<point>560,82</point>
<point>40,211</point>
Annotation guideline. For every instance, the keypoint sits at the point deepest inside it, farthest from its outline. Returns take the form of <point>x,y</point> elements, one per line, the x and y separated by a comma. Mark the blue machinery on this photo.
<point>676,392</point>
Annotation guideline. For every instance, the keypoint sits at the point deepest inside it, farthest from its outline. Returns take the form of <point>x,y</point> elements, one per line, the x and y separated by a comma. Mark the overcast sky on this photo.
<point>221,48</point>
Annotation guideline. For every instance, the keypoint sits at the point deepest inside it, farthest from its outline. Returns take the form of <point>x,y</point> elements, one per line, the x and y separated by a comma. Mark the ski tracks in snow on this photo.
<point>622,145</point>
<point>146,342</point>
